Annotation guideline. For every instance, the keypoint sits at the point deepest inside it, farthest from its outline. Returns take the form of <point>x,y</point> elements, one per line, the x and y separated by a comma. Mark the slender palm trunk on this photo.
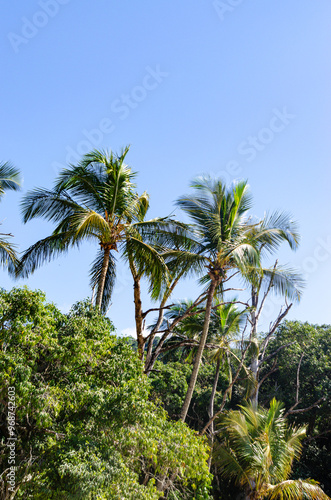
<point>102,280</point>
<point>213,392</point>
<point>211,409</point>
<point>255,358</point>
<point>198,357</point>
<point>138,316</point>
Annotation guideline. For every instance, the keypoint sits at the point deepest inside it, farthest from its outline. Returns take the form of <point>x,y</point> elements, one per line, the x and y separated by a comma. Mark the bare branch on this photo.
<point>274,368</point>
<point>317,436</point>
<point>292,410</point>
<point>273,327</point>
<point>266,293</point>
<point>302,410</point>
<point>144,314</point>
<point>275,352</point>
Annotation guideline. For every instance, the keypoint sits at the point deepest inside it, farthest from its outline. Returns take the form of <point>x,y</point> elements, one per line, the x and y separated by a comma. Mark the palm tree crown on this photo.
<point>94,200</point>
<point>257,449</point>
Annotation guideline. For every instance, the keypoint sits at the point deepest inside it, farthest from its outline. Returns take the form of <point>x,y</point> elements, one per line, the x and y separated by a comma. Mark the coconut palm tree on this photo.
<point>94,200</point>
<point>10,180</point>
<point>256,450</point>
<point>227,242</point>
<point>279,280</point>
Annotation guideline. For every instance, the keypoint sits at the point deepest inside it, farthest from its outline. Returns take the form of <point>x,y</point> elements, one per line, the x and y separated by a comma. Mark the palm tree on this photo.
<point>256,451</point>
<point>226,242</point>
<point>10,180</point>
<point>94,200</point>
<point>280,280</point>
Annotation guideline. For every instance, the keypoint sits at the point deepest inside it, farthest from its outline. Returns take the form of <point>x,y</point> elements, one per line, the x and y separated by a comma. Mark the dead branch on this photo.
<point>263,360</point>
<point>302,410</point>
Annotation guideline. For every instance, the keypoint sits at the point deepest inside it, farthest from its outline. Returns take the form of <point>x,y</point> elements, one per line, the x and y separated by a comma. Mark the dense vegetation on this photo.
<point>203,405</point>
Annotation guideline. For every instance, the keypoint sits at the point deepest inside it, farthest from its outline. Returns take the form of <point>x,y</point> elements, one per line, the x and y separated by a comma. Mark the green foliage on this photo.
<point>256,451</point>
<point>315,383</point>
<point>169,385</point>
<point>85,426</point>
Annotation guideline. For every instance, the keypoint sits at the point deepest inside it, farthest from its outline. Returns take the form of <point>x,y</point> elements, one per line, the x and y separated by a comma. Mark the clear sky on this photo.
<point>234,88</point>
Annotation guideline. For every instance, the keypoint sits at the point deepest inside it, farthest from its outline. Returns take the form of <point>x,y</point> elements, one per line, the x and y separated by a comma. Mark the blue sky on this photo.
<point>234,88</point>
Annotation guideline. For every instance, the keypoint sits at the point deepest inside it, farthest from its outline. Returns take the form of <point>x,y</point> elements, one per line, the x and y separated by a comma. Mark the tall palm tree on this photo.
<point>279,280</point>
<point>226,242</point>
<point>256,451</point>
<point>10,180</point>
<point>93,200</point>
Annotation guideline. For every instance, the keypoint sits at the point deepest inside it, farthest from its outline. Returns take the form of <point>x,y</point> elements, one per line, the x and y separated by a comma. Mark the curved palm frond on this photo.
<point>8,256</point>
<point>10,178</point>
<point>43,251</point>
<point>84,224</point>
<point>285,281</point>
<point>47,204</point>
<point>148,263</point>
<point>276,228</point>
<point>296,490</point>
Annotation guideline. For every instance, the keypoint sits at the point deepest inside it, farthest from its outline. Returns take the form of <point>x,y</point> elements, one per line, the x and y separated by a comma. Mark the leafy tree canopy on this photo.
<point>84,425</point>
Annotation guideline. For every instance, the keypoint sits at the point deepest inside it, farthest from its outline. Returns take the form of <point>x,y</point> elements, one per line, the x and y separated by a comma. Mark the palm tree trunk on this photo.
<point>213,392</point>
<point>255,358</point>
<point>138,316</point>
<point>102,280</point>
<point>211,409</point>
<point>198,357</point>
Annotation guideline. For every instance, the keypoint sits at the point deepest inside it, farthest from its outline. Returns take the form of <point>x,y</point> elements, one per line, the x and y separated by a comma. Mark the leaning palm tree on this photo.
<point>256,450</point>
<point>227,242</point>
<point>10,180</point>
<point>94,200</point>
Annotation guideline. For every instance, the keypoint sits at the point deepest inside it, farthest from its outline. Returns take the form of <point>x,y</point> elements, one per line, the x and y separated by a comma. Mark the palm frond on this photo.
<point>10,177</point>
<point>44,250</point>
<point>285,281</point>
<point>296,490</point>
<point>48,205</point>
<point>84,224</point>
<point>8,256</point>
<point>148,263</point>
<point>275,229</point>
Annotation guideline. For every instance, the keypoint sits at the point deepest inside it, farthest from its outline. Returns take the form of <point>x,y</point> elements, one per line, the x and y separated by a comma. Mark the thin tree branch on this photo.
<point>275,352</point>
<point>144,314</point>
<point>273,369</point>
<point>302,410</point>
<point>317,436</point>
<point>266,293</point>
